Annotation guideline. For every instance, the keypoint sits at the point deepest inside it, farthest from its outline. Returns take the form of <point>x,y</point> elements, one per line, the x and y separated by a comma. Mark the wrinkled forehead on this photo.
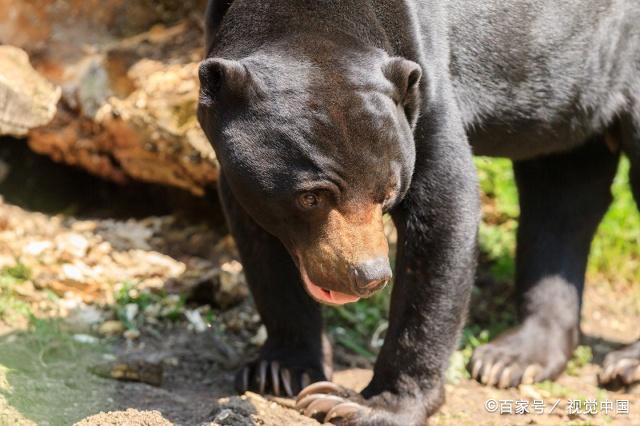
<point>319,63</point>
<point>317,119</point>
<point>334,100</point>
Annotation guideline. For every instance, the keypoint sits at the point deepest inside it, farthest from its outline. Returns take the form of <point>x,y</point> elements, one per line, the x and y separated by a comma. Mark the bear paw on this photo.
<point>331,403</point>
<point>621,368</point>
<point>529,353</point>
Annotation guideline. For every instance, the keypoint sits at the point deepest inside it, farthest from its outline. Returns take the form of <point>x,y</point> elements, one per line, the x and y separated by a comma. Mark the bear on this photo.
<point>327,114</point>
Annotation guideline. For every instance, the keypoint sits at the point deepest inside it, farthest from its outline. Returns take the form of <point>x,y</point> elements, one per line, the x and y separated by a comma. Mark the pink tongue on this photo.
<point>330,296</point>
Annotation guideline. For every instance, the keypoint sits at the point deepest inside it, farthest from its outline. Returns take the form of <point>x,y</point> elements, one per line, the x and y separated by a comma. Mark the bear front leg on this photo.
<point>437,228</point>
<point>296,352</point>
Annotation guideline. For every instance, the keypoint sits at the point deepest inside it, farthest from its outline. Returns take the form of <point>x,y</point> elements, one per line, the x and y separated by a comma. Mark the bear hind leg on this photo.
<point>622,367</point>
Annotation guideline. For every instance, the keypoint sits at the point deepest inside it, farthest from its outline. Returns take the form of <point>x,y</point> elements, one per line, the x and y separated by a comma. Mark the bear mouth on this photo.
<point>322,295</point>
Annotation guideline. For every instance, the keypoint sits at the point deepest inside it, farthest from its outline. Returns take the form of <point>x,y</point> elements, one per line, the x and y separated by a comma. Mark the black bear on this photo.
<point>325,114</point>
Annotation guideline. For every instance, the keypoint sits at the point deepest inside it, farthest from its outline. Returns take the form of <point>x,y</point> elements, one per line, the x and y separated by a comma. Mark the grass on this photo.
<point>10,304</point>
<point>500,216</point>
<point>615,252</point>
<point>581,357</point>
<point>360,327</point>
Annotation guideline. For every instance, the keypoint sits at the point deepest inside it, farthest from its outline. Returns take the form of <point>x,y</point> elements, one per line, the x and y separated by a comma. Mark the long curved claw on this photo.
<point>322,404</point>
<point>305,380</point>
<point>484,372</point>
<point>494,374</point>
<point>633,376</point>
<point>285,374</point>
<point>530,374</point>
<point>505,378</point>
<point>275,377</point>
<point>605,376</point>
<point>262,376</point>
<point>344,410</point>
<point>475,371</point>
<point>244,380</point>
<point>321,387</point>
<point>303,403</point>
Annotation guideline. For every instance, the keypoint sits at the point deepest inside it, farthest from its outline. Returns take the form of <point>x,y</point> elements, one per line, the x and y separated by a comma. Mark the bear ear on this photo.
<point>222,77</point>
<point>405,75</point>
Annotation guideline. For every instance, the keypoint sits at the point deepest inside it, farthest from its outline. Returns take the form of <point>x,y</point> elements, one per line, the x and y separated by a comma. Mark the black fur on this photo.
<point>300,92</point>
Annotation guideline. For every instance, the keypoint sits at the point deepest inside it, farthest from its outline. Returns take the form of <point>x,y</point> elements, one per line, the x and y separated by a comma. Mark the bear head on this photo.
<point>315,141</point>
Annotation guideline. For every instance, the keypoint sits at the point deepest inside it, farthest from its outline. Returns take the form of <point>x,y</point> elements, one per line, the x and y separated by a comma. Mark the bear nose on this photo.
<point>371,275</point>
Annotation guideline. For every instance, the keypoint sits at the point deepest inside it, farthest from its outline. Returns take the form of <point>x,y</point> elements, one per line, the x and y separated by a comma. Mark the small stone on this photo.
<point>131,311</point>
<point>132,334</point>
<point>36,248</point>
<point>111,328</point>
<point>84,318</point>
<point>260,337</point>
<point>85,339</point>
<point>195,319</point>
<point>131,369</point>
<point>72,272</point>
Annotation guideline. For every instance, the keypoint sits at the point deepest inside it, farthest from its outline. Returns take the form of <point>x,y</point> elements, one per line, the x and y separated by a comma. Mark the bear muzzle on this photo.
<point>345,257</point>
<point>363,279</point>
<point>370,276</point>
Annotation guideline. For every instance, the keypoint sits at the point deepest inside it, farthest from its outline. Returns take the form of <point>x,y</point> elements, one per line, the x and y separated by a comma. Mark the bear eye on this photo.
<point>308,200</point>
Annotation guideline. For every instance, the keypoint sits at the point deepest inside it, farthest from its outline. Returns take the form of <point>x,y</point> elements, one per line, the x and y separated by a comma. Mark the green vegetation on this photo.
<point>10,305</point>
<point>581,357</point>
<point>615,252</point>
<point>500,216</point>
<point>358,326</point>
<point>133,305</point>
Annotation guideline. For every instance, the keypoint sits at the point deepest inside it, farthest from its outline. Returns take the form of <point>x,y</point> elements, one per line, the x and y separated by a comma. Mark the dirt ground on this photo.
<point>197,389</point>
<point>52,376</point>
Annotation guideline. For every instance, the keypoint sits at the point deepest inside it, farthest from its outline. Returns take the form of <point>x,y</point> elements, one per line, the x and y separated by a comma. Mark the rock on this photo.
<point>27,100</point>
<point>251,409</point>
<point>233,286</point>
<point>129,86</point>
<point>195,319</point>
<point>111,328</point>
<point>60,28</point>
<point>86,339</point>
<point>131,369</point>
<point>130,417</point>
<point>131,334</point>
<point>84,319</point>
<point>260,337</point>
<point>130,113</point>
<point>126,234</point>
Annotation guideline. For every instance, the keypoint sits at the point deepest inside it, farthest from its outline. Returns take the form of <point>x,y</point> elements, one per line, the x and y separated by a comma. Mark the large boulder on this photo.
<point>27,100</point>
<point>128,73</point>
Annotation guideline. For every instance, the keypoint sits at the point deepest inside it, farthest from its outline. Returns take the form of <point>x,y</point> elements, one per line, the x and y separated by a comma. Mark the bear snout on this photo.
<point>371,275</point>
